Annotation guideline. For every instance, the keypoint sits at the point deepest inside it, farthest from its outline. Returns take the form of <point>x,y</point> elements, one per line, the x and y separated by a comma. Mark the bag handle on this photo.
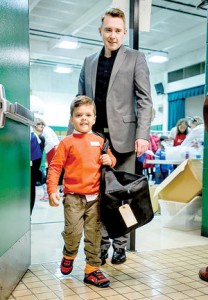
<point>106,142</point>
<point>105,146</point>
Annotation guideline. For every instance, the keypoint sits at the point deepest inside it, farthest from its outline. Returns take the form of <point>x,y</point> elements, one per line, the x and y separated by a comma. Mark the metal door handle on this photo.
<point>14,111</point>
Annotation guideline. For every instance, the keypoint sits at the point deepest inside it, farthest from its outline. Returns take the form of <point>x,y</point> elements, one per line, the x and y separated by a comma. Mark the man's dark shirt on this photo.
<point>105,66</point>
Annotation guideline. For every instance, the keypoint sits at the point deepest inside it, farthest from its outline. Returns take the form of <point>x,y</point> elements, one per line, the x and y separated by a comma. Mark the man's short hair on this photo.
<point>115,13</point>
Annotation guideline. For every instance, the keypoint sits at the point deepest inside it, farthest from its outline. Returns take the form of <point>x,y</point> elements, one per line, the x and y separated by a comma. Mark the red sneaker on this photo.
<point>66,266</point>
<point>97,278</point>
<point>203,273</point>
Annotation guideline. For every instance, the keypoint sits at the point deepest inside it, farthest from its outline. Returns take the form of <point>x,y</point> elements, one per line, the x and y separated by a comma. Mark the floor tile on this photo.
<point>164,265</point>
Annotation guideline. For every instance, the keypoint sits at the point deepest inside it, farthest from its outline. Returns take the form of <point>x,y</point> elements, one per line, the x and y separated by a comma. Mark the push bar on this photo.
<point>14,111</point>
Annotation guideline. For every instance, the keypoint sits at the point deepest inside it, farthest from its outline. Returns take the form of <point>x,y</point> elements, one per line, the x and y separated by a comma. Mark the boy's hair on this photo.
<point>115,13</point>
<point>39,121</point>
<point>82,100</point>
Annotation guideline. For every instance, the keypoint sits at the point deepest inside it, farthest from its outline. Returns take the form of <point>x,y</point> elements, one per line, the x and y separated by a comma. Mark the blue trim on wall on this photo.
<point>191,92</point>
<point>176,103</point>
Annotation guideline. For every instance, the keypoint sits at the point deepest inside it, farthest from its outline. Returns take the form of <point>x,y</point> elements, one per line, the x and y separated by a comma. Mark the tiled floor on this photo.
<point>165,265</point>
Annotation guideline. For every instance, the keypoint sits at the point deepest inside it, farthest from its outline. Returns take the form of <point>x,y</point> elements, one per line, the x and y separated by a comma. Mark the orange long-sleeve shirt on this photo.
<point>79,155</point>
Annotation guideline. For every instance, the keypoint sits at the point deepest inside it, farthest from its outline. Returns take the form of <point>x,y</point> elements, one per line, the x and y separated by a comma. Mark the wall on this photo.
<point>56,91</point>
<point>14,147</point>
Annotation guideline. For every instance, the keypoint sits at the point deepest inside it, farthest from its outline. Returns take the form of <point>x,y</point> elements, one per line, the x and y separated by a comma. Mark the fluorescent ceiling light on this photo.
<point>63,69</point>
<point>158,57</point>
<point>68,43</point>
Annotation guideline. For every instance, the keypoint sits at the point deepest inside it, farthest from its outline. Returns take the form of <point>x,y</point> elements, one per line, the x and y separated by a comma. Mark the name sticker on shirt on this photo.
<point>95,143</point>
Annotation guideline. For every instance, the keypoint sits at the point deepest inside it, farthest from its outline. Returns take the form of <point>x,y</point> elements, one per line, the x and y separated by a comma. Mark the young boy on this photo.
<point>80,156</point>
<point>162,170</point>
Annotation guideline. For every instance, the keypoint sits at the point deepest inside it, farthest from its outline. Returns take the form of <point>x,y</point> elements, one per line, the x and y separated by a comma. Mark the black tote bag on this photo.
<point>117,189</point>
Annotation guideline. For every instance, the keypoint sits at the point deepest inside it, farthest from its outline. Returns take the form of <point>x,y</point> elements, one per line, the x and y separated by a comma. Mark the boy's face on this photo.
<point>83,118</point>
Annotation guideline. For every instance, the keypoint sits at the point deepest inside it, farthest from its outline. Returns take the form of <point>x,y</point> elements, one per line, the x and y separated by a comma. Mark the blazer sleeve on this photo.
<point>143,98</point>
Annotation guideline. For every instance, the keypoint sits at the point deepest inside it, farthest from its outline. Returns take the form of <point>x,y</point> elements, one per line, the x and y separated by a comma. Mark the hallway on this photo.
<point>165,265</point>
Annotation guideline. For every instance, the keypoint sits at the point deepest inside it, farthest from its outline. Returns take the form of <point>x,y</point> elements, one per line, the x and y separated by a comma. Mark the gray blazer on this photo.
<point>129,104</point>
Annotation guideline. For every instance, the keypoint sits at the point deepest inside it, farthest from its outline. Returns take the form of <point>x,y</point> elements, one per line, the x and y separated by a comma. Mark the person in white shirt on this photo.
<point>196,135</point>
<point>51,143</point>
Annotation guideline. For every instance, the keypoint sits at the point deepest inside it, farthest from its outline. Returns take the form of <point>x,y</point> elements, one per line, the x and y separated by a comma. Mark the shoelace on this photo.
<point>99,275</point>
<point>66,262</point>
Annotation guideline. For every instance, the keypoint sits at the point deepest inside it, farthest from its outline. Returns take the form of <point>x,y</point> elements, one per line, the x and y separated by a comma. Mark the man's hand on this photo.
<point>54,199</point>
<point>141,146</point>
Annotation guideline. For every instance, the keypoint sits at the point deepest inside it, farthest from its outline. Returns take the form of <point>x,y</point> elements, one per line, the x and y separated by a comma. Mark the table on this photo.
<point>163,162</point>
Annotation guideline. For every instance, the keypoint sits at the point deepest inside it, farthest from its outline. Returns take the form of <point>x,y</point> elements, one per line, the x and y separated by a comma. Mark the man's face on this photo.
<point>112,32</point>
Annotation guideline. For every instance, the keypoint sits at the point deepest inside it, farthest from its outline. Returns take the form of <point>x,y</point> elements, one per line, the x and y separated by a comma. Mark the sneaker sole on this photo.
<point>118,262</point>
<point>203,278</point>
<point>102,285</point>
<point>66,273</point>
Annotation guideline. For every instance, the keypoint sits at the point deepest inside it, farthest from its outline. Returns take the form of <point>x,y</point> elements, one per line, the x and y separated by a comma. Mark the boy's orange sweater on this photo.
<point>79,155</point>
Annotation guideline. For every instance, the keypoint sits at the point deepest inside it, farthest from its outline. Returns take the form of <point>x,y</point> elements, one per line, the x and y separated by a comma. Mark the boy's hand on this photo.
<point>106,160</point>
<point>54,199</point>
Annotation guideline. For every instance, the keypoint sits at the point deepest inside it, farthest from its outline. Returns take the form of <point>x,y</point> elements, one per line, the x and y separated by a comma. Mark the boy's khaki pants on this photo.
<point>80,216</point>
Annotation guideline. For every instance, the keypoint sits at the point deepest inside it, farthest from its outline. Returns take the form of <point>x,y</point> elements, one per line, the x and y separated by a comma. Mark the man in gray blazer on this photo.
<point>117,78</point>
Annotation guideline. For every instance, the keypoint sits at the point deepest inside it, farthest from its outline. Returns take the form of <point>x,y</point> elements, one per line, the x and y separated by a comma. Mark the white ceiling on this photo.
<point>177,27</point>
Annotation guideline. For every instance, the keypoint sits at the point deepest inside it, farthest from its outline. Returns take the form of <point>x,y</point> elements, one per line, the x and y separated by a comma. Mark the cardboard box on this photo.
<point>181,216</point>
<point>183,184</point>
<point>154,199</point>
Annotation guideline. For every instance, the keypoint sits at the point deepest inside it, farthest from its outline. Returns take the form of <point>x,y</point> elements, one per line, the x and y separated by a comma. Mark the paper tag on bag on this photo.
<point>127,215</point>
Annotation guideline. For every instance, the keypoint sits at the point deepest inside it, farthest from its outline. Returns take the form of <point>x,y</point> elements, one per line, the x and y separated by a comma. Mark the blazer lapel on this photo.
<point>117,64</point>
<point>94,72</point>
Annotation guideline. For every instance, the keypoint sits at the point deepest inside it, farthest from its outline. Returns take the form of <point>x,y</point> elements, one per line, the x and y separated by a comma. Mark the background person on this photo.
<point>142,167</point>
<point>182,127</point>
<point>196,135</point>
<point>117,78</point>
<point>36,152</point>
<point>80,154</point>
<point>181,132</point>
<point>162,170</point>
<point>51,143</point>
<point>51,139</point>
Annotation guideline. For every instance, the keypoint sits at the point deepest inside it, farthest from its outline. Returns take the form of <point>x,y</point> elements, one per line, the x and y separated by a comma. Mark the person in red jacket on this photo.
<point>182,130</point>
<point>80,156</point>
<point>179,132</point>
